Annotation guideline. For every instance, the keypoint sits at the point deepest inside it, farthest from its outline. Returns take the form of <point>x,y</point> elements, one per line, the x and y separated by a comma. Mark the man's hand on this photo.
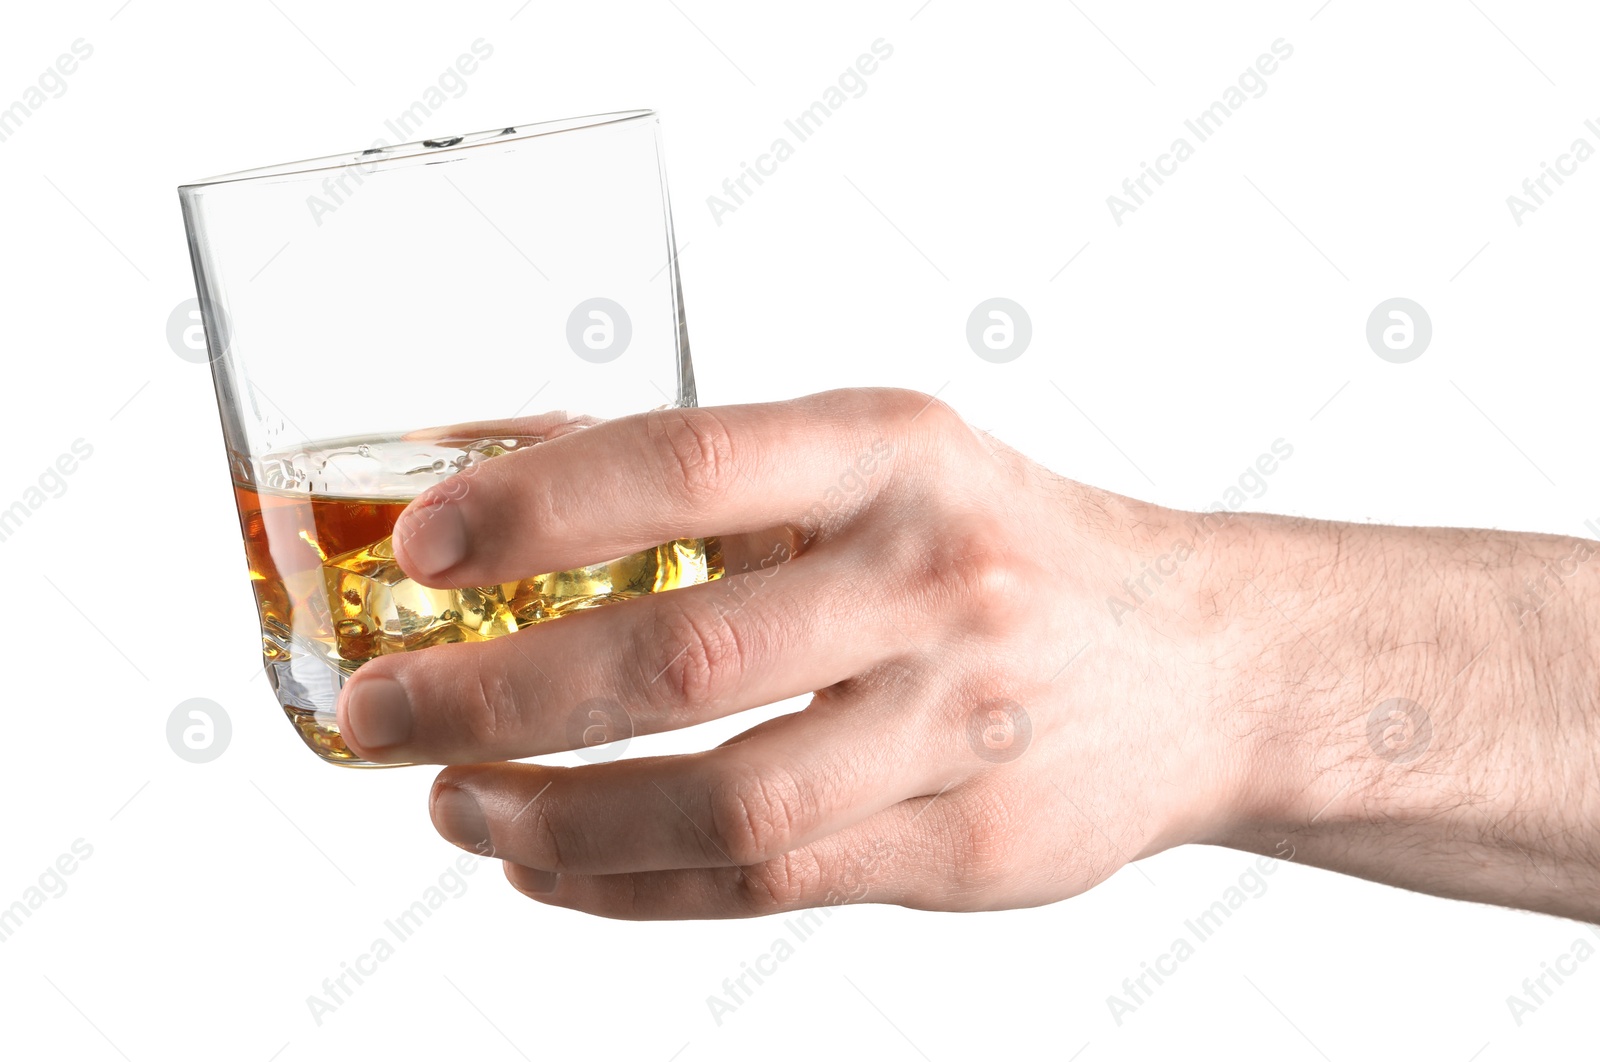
<point>981,734</point>
<point>985,729</point>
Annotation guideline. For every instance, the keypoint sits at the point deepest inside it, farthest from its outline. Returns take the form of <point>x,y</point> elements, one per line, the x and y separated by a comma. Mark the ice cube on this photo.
<point>305,680</point>
<point>377,609</point>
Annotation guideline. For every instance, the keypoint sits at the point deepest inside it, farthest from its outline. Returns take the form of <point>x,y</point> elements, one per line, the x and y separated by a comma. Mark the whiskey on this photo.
<point>330,595</point>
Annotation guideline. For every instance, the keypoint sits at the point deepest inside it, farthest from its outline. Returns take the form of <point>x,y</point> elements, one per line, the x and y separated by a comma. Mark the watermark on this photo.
<point>999,731</point>
<point>49,85</point>
<point>737,989</point>
<point>1399,730</point>
<point>849,482</point>
<point>1399,330</point>
<point>1251,84</point>
<point>1536,991</point>
<point>47,486</point>
<point>851,84</point>
<point>1250,484</point>
<point>1536,190</point>
<point>999,330</point>
<point>186,332</point>
<point>50,885</point>
<point>599,330</point>
<point>199,730</point>
<point>451,84</point>
<point>450,885</point>
<point>599,730</point>
<point>741,588</point>
<point>1541,593</point>
<point>1137,989</point>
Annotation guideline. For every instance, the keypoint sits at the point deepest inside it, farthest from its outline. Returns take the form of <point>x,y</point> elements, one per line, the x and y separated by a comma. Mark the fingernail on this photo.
<point>377,713</point>
<point>528,879</point>
<point>433,537</point>
<point>459,819</point>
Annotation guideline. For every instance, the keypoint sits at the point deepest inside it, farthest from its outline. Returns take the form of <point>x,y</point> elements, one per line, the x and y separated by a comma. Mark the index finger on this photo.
<point>627,485</point>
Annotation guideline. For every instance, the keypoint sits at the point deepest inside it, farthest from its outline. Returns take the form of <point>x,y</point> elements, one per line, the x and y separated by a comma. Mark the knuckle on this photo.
<point>920,419</point>
<point>547,848</point>
<point>756,815</point>
<point>903,403</point>
<point>933,441</point>
<point>491,708</point>
<point>694,655</point>
<point>991,590</point>
<point>976,573</point>
<point>794,879</point>
<point>981,841</point>
<point>523,495</point>
<point>696,451</point>
<point>931,415</point>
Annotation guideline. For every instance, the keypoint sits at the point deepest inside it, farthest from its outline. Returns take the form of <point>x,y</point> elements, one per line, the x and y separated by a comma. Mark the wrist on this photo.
<point>1304,673</point>
<point>1186,632</point>
<point>1329,638</point>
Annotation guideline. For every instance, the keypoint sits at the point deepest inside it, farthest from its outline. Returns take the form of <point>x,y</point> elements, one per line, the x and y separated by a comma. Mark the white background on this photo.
<point>1227,312</point>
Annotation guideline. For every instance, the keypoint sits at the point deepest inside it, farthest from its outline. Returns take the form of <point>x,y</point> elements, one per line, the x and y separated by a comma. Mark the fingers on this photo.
<point>659,662</point>
<point>794,781</point>
<point>901,855</point>
<point>626,485</point>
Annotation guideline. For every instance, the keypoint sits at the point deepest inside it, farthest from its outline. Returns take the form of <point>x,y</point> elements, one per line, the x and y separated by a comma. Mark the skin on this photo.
<point>1411,705</point>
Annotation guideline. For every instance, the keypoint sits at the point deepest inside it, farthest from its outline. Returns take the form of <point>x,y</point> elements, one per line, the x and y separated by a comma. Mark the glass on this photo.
<point>514,285</point>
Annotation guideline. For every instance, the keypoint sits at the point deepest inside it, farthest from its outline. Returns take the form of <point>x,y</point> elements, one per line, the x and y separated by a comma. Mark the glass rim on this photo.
<point>445,147</point>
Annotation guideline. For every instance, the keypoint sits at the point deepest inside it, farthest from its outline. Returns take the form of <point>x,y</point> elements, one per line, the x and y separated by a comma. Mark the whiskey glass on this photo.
<point>384,320</point>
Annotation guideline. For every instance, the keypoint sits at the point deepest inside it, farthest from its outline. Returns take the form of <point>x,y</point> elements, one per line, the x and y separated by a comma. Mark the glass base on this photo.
<point>308,667</point>
<point>320,732</point>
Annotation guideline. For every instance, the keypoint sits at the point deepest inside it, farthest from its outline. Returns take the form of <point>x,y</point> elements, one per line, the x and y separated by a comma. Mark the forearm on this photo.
<point>1422,706</point>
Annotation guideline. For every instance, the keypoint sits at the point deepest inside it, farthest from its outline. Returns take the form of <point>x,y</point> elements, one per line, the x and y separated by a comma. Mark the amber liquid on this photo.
<point>330,595</point>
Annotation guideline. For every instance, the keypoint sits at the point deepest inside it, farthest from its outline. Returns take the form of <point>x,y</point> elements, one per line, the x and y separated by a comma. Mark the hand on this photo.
<point>982,733</point>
